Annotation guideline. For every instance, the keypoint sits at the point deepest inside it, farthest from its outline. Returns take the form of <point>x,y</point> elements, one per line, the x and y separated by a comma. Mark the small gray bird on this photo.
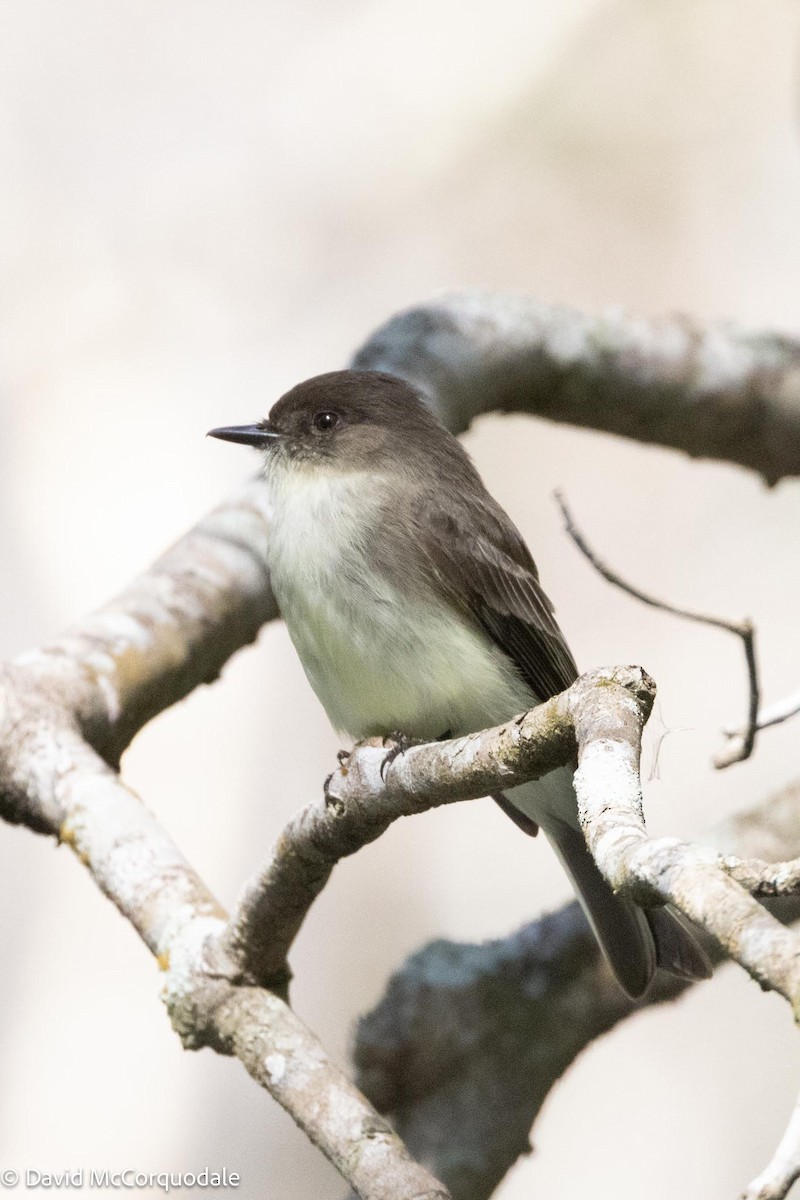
<point>415,607</point>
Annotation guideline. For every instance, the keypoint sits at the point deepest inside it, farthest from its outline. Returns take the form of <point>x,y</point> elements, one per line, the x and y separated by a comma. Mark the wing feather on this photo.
<point>483,563</point>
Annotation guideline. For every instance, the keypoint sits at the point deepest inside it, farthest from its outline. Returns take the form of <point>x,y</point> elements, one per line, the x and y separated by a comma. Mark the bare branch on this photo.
<point>505,1019</point>
<point>173,628</point>
<point>370,790</point>
<point>765,879</point>
<point>712,391</point>
<point>603,713</point>
<point>741,745</point>
<point>55,782</point>
<point>667,870</point>
<point>772,714</point>
<point>777,1178</point>
<point>282,1056</point>
<point>755,852</point>
<point>68,710</point>
<point>468,1041</point>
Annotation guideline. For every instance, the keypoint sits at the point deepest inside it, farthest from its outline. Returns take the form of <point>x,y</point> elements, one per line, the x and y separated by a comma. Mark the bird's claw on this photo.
<point>395,743</point>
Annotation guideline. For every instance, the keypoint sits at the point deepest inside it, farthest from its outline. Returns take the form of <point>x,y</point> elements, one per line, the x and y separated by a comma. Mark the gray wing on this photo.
<point>482,561</point>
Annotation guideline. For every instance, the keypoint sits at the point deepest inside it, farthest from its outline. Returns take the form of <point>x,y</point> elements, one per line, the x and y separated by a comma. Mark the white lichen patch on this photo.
<point>724,361</point>
<point>761,943</point>
<point>607,775</point>
<point>110,695</point>
<point>120,628</point>
<point>184,944</point>
<point>275,1067</point>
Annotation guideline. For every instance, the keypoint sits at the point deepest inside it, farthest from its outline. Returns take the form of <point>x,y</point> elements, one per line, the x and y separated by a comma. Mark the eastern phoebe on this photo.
<point>416,608</point>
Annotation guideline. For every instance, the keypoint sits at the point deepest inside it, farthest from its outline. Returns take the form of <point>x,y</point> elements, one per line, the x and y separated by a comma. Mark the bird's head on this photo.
<point>344,420</point>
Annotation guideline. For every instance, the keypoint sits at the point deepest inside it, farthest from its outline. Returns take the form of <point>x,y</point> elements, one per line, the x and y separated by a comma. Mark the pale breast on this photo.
<point>381,657</point>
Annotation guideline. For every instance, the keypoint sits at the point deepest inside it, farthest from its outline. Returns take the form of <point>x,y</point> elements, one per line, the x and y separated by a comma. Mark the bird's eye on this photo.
<point>323,421</point>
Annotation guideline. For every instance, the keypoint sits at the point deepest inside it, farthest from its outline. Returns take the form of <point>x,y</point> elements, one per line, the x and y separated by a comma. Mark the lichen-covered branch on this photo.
<point>668,870</point>
<point>514,1014</point>
<point>170,630</point>
<point>765,878</point>
<point>373,787</point>
<point>70,792</point>
<point>504,1019</point>
<point>712,391</point>
<point>602,714</point>
<point>69,708</point>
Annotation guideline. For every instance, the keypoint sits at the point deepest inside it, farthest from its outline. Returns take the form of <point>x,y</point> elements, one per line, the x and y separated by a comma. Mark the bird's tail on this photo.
<point>635,941</point>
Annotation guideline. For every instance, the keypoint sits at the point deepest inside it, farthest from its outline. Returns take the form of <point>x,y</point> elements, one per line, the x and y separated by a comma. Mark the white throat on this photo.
<point>381,659</point>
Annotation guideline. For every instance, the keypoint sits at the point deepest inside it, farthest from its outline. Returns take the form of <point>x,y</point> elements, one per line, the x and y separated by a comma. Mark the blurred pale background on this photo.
<point>202,203</point>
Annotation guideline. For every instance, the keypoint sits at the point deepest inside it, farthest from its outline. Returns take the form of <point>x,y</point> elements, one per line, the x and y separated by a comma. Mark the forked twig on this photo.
<point>741,742</point>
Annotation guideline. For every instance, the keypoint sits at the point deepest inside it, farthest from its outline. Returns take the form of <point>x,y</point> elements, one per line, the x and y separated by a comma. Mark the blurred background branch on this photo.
<point>175,627</point>
<point>200,205</point>
<point>710,390</point>
<point>468,1040</point>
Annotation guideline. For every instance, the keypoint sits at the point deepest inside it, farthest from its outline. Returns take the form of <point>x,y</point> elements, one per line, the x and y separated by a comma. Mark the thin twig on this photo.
<point>765,878</point>
<point>741,744</point>
<point>772,714</point>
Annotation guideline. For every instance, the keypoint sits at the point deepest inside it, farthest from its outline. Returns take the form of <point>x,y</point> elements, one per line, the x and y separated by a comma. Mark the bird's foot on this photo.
<point>395,744</point>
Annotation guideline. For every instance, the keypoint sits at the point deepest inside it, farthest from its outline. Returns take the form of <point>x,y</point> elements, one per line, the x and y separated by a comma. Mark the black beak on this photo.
<point>249,435</point>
